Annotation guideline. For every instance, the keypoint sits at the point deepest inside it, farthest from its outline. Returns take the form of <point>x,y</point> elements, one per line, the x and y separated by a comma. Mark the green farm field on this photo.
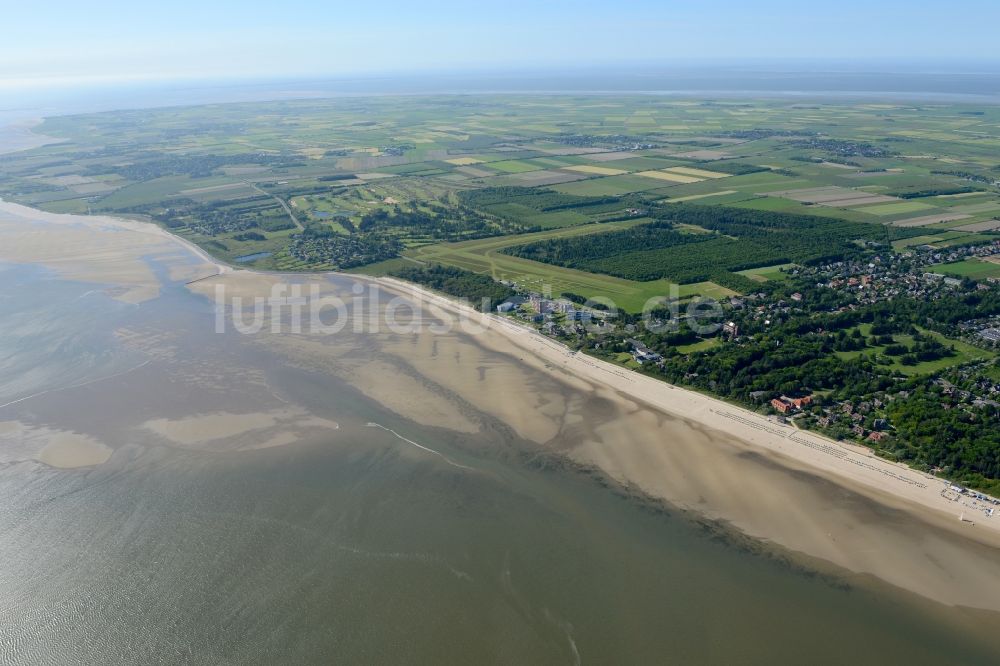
<point>356,182</point>
<point>971,268</point>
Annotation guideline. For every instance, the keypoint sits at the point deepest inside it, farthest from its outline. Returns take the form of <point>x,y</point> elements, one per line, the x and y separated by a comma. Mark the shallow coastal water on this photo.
<point>261,505</point>
<point>50,332</point>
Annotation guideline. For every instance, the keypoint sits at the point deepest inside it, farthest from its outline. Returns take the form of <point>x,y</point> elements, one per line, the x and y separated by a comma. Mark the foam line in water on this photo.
<point>420,446</point>
<point>73,386</point>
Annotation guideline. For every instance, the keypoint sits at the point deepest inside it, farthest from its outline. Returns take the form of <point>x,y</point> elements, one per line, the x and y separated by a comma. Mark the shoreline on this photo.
<point>738,454</point>
<point>811,448</point>
<point>18,136</point>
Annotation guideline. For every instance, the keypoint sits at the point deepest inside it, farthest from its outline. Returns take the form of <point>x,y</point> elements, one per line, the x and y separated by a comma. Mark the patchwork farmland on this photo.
<point>364,183</point>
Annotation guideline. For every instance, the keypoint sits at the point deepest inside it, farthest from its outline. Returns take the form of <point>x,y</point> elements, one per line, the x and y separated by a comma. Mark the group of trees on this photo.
<point>924,349</point>
<point>582,300</point>
<point>934,192</point>
<point>736,168</point>
<point>967,175</point>
<point>481,290</point>
<point>965,443</point>
<point>734,281</point>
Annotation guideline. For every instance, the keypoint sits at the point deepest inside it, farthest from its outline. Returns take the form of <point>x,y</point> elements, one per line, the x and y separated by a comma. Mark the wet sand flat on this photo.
<point>114,257</point>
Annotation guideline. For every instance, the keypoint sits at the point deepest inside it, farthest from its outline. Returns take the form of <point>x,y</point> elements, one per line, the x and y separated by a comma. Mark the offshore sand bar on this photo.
<point>798,490</point>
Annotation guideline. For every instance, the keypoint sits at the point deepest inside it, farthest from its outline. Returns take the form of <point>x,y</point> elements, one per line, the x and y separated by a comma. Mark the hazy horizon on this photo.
<point>115,41</point>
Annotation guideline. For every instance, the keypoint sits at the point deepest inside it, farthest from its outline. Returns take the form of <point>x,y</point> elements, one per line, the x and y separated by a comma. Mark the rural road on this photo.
<point>281,201</point>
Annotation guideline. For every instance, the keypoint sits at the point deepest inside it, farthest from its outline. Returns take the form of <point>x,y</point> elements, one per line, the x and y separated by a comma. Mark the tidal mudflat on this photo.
<point>378,495</point>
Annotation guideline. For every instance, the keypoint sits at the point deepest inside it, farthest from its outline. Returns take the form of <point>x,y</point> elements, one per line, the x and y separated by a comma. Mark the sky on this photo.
<point>72,41</point>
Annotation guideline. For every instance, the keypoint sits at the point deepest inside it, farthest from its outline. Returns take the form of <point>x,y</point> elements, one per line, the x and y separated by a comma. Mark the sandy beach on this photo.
<point>833,503</point>
<point>797,489</point>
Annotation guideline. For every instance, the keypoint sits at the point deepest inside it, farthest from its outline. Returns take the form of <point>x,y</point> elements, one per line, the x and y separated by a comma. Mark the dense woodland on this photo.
<point>742,239</point>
